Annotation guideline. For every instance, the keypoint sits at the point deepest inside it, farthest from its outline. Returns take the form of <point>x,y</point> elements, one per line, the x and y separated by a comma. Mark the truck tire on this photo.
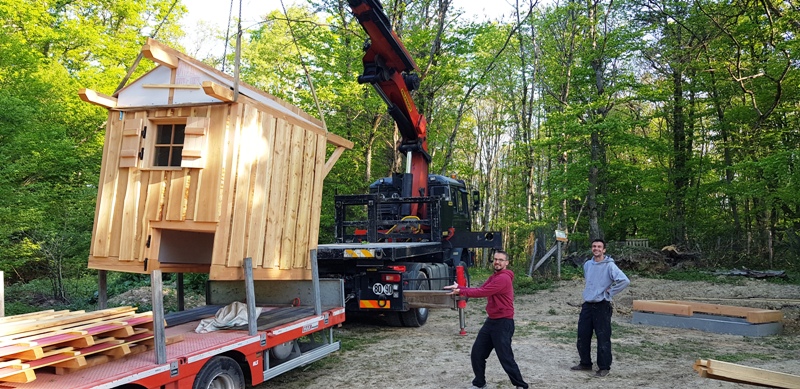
<point>418,316</point>
<point>220,372</point>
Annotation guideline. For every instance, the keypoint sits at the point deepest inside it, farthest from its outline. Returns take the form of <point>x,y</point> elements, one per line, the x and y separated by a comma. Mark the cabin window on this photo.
<point>169,144</point>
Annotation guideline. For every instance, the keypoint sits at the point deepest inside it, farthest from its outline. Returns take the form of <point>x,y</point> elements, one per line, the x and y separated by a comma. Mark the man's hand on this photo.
<point>453,288</point>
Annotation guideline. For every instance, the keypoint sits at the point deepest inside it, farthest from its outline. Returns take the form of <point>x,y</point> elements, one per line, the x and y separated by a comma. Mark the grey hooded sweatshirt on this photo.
<point>603,280</point>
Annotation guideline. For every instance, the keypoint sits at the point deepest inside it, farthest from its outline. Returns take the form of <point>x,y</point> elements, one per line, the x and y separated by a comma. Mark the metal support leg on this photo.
<point>102,289</point>
<point>315,282</point>
<point>251,296</point>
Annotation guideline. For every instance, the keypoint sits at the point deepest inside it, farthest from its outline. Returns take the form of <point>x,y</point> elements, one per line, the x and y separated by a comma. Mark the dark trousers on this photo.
<point>495,334</point>
<point>595,317</point>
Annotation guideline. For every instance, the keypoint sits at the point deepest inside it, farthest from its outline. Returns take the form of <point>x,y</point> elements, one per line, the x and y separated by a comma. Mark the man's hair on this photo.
<point>601,241</point>
<point>508,257</point>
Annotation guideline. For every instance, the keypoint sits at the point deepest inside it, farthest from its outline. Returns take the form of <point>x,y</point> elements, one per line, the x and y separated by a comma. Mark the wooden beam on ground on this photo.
<point>668,307</point>
<point>752,315</point>
<point>726,371</point>
<point>97,98</point>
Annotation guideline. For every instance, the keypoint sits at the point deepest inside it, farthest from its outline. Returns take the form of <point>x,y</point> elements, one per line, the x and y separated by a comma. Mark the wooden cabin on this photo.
<point>196,177</point>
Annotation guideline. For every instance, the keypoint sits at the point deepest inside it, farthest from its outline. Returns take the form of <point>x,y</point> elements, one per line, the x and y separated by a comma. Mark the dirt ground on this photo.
<point>434,356</point>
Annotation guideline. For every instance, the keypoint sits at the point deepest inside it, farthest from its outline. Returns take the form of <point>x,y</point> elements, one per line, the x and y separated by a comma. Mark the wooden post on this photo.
<point>159,336</point>
<point>102,289</point>
<point>250,295</point>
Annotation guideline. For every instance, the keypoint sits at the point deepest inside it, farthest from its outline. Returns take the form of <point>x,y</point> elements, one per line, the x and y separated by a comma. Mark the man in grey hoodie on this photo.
<point>603,280</point>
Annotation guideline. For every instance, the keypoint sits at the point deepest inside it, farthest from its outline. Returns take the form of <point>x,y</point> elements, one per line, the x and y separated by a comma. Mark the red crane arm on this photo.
<point>389,68</point>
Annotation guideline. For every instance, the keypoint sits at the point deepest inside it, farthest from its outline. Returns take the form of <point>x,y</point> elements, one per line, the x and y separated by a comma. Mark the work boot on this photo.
<point>581,367</point>
<point>601,373</point>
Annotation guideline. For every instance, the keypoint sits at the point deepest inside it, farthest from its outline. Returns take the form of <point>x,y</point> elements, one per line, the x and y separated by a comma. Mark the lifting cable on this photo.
<point>227,34</point>
<point>139,57</point>
<point>305,68</point>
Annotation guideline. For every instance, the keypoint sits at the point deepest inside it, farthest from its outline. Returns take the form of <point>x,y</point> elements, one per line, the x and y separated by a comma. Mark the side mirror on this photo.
<point>476,201</point>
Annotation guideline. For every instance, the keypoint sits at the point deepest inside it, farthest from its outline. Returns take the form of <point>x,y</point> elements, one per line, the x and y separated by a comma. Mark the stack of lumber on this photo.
<point>69,340</point>
<point>725,319</point>
<point>732,372</point>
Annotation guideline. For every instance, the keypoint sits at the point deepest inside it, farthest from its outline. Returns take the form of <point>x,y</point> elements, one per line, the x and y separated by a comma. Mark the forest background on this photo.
<point>676,121</point>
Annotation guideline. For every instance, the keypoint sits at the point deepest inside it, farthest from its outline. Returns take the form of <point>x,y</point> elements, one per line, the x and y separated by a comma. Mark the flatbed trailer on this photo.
<point>295,328</point>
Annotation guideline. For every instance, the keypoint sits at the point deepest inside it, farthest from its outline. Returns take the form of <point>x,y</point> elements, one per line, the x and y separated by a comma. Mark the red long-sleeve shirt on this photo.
<point>499,292</point>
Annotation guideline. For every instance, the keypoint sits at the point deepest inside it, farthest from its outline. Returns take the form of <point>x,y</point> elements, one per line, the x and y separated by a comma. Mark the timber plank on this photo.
<point>316,200</point>
<point>177,195</point>
<point>107,187</point>
<point>301,255</point>
<point>259,207</point>
<point>247,153</point>
<point>58,321</point>
<point>208,197</point>
<point>751,375</point>
<point>277,194</point>
<point>221,238</point>
<point>130,216</point>
<point>293,194</point>
<point>662,307</point>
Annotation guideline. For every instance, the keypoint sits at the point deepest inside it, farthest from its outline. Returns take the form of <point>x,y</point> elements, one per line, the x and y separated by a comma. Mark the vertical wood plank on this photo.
<point>107,187</point>
<point>247,155</point>
<point>316,201</point>
<point>221,238</point>
<point>153,207</point>
<point>209,181</point>
<point>178,194</point>
<point>258,219</point>
<point>191,196</point>
<point>293,195</point>
<point>301,251</point>
<point>277,194</point>
<point>130,216</point>
<point>114,234</point>
<point>140,230</point>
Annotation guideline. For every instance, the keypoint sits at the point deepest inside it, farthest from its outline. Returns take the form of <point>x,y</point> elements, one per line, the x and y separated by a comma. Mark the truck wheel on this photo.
<point>418,316</point>
<point>220,373</point>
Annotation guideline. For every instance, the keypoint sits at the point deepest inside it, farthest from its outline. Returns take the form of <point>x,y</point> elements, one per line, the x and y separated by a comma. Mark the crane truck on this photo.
<point>413,229</point>
<point>409,234</point>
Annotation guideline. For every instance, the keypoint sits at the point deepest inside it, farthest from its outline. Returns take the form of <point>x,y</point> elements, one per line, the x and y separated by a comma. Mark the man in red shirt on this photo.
<point>498,329</point>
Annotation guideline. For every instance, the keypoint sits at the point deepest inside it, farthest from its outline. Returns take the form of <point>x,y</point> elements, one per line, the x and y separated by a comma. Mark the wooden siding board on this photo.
<point>246,154</point>
<point>141,212</point>
<point>258,220</point>
<point>277,195</point>
<point>130,216</point>
<point>293,194</point>
<point>191,199</point>
<point>316,201</point>
<point>221,238</point>
<point>209,181</point>
<point>115,232</point>
<point>178,194</point>
<point>301,254</point>
<point>107,188</point>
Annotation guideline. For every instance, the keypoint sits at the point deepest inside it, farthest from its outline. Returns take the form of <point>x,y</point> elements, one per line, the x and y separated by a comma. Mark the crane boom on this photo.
<point>389,68</point>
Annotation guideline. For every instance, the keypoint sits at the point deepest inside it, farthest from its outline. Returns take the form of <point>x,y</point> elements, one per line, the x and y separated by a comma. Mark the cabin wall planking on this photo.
<point>249,182</point>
